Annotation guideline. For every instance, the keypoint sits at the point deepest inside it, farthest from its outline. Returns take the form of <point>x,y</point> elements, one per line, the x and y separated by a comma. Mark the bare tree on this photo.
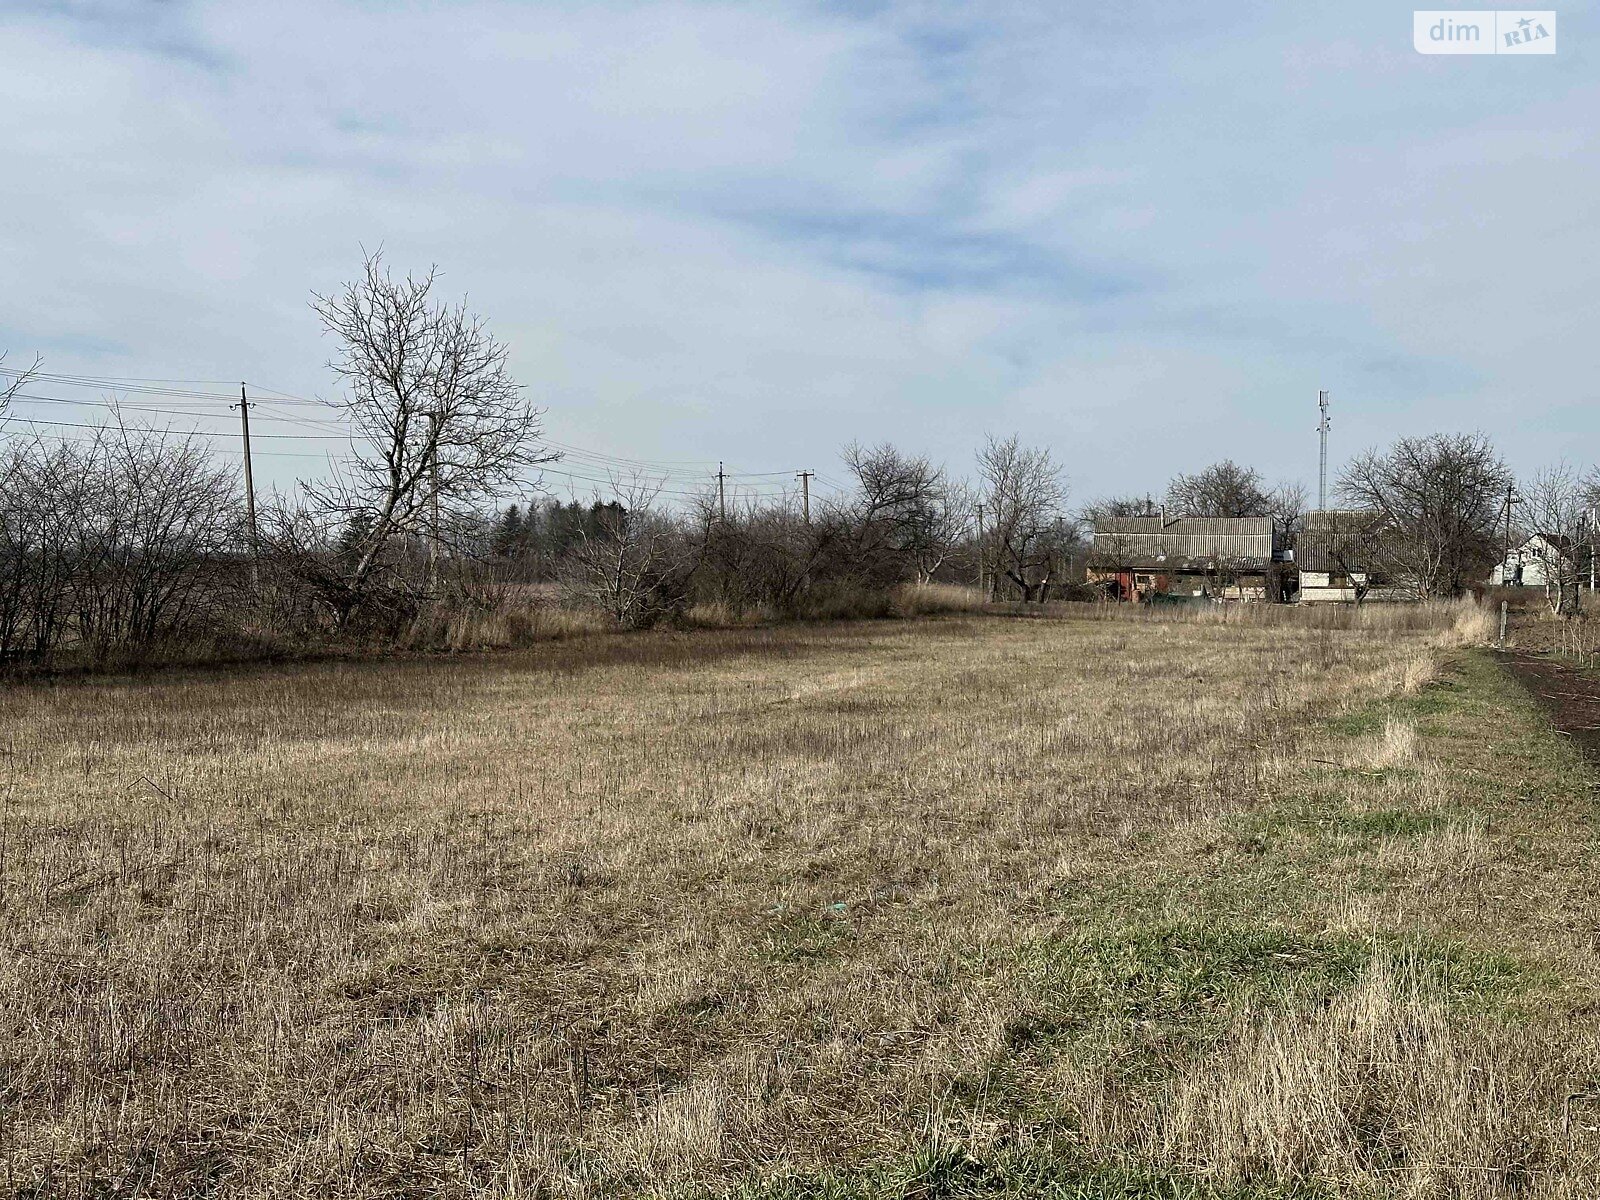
<point>12,381</point>
<point>904,517</point>
<point>1440,497</point>
<point>948,525</point>
<point>1224,489</point>
<point>439,425</point>
<point>1286,504</point>
<point>634,564</point>
<point>1557,513</point>
<point>1023,493</point>
<point>1107,507</point>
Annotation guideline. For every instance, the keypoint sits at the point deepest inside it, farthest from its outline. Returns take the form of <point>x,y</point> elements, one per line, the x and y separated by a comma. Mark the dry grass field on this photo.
<point>958,907</point>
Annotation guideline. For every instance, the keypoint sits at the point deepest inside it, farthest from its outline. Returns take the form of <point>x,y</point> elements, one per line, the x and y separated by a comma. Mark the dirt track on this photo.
<point>1569,696</point>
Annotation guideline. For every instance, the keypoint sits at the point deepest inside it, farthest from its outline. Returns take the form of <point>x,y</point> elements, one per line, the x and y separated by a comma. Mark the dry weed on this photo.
<point>625,914</point>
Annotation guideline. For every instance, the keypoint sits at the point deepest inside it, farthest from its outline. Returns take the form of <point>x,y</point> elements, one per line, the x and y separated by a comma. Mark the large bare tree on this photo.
<point>1023,495</point>
<point>905,516</point>
<point>1106,508</point>
<point>1440,498</point>
<point>438,423</point>
<point>1224,489</point>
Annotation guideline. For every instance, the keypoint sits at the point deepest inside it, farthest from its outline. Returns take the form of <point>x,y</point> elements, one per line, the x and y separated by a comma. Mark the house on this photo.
<point>1538,559</point>
<point>1228,558</point>
<point>1338,555</point>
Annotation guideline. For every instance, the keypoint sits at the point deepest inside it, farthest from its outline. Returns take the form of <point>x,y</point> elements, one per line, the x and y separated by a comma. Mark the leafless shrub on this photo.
<point>42,487</point>
<point>114,545</point>
<point>634,565</point>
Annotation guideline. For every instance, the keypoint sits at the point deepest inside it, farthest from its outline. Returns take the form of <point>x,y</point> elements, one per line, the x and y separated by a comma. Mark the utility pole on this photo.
<point>805,492</point>
<point>433,497</point>
<point>1322,471</point>
<point>1505,559</point>
<point>249,483</point>
<point>1592,514</point>
<point>981,577</point>
<point>722,496</point>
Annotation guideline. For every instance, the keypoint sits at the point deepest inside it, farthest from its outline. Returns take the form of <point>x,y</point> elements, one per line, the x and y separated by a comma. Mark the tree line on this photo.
<point>129,542</point>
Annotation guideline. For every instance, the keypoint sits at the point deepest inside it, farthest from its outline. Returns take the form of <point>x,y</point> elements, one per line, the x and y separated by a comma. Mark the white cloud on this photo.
<point>720,231</point>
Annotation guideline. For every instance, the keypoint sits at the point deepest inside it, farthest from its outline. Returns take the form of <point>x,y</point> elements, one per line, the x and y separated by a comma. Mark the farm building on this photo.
<point>1337,555</point>
<point>1228,558</point>
<point>1537,560</point>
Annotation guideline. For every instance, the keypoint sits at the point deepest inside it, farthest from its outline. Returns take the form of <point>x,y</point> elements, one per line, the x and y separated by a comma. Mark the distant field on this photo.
<point>965,907</point>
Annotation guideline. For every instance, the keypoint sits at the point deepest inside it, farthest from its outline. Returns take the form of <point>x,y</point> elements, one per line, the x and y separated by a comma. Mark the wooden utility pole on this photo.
<point>1592,526</point>
<point>722,496</point>
<point>982,579</point>
<point>433,497</point>
<point>249,482</point>
<point>805,492</point>
<point>1505,559</point>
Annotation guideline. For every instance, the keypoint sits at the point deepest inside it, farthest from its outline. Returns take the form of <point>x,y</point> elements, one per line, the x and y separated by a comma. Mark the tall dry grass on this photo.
<point>667,912</point>
<point>500,622</point>
<point>1463,621</point>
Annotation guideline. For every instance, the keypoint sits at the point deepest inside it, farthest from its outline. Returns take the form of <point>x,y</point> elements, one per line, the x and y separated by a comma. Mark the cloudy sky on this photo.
<point>1143,234</point>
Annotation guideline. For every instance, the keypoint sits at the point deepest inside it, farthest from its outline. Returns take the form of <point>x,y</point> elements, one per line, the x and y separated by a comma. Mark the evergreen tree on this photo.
<point>507,540</point>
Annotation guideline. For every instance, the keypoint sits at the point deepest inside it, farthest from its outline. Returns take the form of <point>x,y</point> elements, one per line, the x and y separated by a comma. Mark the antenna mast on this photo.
<point>1322,472</point>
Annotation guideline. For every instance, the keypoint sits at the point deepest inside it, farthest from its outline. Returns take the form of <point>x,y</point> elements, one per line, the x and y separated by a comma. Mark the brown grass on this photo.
<point>681,911</point>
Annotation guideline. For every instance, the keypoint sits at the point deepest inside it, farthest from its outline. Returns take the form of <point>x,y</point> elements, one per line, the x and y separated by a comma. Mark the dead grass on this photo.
<point>1106,906</point>
<point>926,599</point>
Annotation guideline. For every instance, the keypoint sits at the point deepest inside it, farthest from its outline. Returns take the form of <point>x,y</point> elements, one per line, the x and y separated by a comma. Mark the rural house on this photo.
<point>1338,554</point>
<point>1539,559</point>
<point>1229,558</point>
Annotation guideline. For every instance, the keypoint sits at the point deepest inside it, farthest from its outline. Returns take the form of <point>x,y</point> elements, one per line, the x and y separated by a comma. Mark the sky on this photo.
<point>1143,235</point>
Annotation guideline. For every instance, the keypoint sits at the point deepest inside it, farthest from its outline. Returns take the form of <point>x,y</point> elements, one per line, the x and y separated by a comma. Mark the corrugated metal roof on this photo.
<point>1314,550</point>
<point>1326,518</point>
<point>1180,539</point>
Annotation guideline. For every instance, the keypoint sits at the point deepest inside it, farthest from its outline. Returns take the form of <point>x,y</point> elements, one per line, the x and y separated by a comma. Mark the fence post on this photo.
<point>1502,624</point>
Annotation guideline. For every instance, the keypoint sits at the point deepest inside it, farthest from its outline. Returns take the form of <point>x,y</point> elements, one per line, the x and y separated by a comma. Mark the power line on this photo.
<point>205,433</point>
<point>680,462</point>
<point>682,467</point>
<point>114,406</point>
<point>547,470</point>
<point>683,472</point>
<point>217,435</point>
<point>113,378</point>
<point>140,386</point>
<point>67,437</point>
<point>596,457</point>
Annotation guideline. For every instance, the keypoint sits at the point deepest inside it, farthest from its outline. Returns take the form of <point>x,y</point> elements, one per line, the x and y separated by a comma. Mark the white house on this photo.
<point>1534,561</point>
